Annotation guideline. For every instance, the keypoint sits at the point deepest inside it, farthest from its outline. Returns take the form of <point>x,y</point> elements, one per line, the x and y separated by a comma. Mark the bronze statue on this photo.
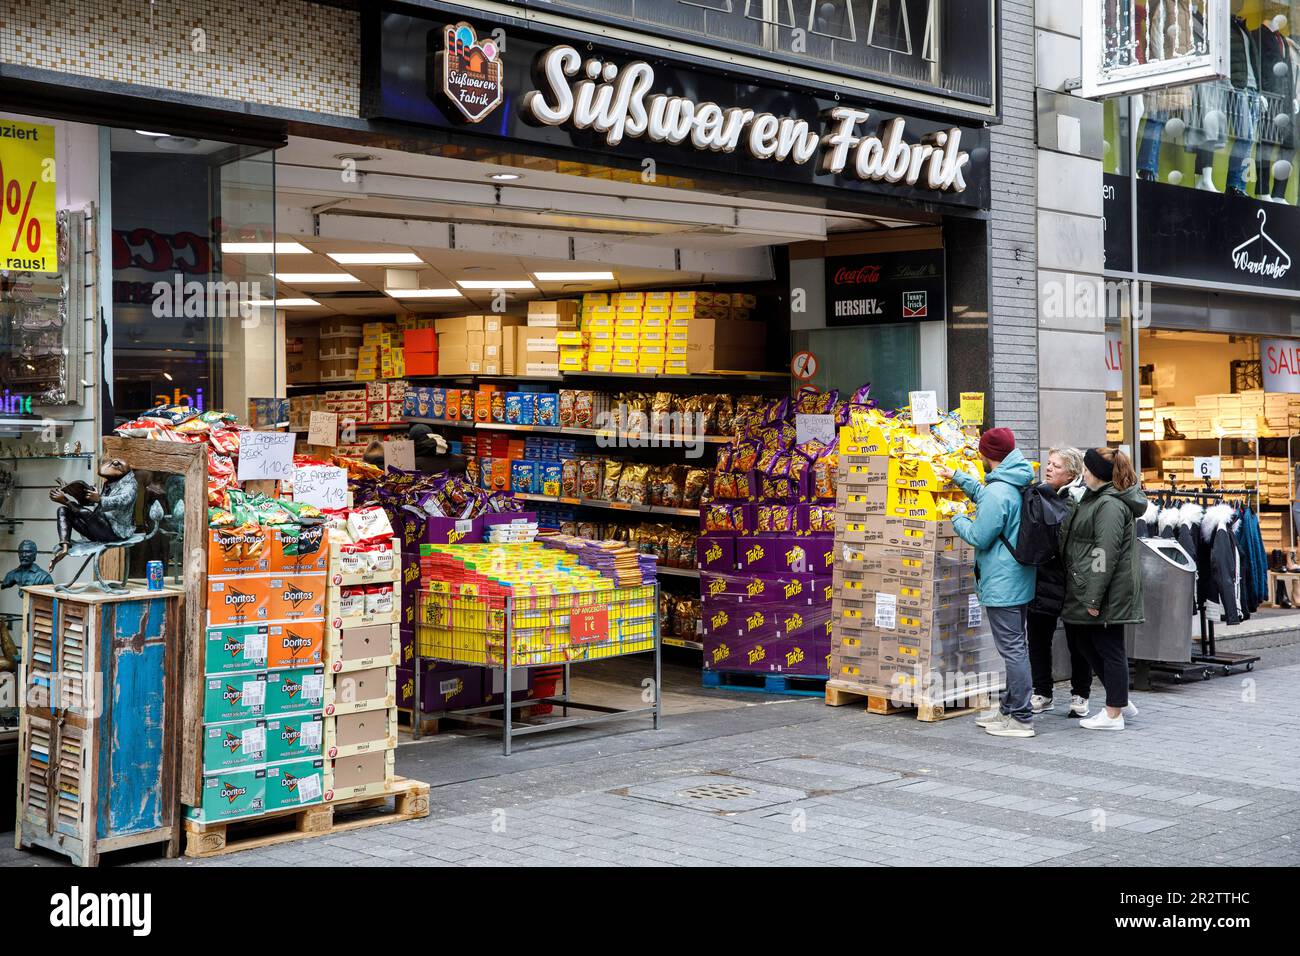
<point>28,573</point>
<point>102,516</point>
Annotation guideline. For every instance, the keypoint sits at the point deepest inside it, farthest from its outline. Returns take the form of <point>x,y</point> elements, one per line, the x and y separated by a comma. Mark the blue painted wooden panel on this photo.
<point>132,750</point>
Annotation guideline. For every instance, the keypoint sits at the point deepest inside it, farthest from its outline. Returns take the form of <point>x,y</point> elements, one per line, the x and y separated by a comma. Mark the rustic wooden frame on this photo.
<point>190,461</point>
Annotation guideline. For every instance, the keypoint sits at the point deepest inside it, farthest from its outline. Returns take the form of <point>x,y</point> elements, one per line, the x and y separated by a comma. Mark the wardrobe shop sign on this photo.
<point>632,107</point>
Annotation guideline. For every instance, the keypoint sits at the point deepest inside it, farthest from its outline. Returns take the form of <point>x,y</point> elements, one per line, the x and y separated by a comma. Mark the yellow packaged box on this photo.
<point>660,296</point>
<point>601,348</point>
<point>569,337</point>
<point>637,297</point>
<point>677,320</point>
<point>653,337</point>
<point>685,298</point>
<point>594,299</point>
<point>627,348</point>
<point>600,335</point>
<point>918,474</point>
<point>598,322</point>
<point>653,350</point>
<point>598,366</point>
<point>632,334</point>
<point>923,505</point>
<point>576,363</point>
<point>677,367</point>
<point>656,321</point>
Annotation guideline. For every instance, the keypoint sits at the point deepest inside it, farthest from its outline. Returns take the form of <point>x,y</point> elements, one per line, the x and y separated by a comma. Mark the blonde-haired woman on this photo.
<point>1103,579</point>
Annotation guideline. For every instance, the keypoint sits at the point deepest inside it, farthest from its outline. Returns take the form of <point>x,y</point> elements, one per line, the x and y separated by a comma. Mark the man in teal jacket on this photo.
<point>1005,585</point>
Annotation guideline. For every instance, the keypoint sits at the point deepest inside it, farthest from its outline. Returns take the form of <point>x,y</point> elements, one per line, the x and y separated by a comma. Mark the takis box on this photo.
<point>235,649</point>
<point>300,597</point>
<point>722,653</point>
<point>351,734</point>
<point>805,623</point>
<point>795,554</point>
<point>295,644</point>
<point>760,621</point>
<point>234,697</point>
<point>796,655</point>
<point>758,552</point>
<point>721,620</point>
<point>294,737</point>
<point>238,601</point>
<point>722,587</point>
<point>295,691</point>
<point>299,783</point>
<point>234,551</point>
<point>821,553</point>
<point>715,553</point>
<point>449,690</point>
<point>230,795</point>
<point>359,775</point>
<point>236,744</point>
<point>352,691</point>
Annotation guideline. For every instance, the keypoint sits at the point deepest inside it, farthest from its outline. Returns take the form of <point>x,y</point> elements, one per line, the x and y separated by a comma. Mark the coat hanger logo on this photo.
<point>1271,260</point>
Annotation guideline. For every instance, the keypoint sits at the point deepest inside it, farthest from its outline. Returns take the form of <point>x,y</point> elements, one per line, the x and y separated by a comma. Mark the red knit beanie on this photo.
<point>997,443</point>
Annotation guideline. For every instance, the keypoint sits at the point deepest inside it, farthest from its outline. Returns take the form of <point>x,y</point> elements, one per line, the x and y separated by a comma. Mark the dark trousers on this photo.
<point>1042,628</point>
<point>1103,646</point>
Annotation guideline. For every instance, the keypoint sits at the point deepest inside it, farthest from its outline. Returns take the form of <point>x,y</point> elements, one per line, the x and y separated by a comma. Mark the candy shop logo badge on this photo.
<point>755,620</point>
<point>721,653</point>
<point>473,76</point>
<point>915,305</point>
<point>716,586</point>
<point>757,654</point>
<point>233,793</point>
<point>720,619</point>
<point>794,656</point>
<point>793,589</point>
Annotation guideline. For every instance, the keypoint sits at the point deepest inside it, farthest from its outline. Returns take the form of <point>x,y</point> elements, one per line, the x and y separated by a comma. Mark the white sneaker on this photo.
<point>1008,726</point>
<point>1130,710</point>
<point>1041,704</point>
<point>990,716</point>
<point>1100,721</point>
<point>1078,706</point>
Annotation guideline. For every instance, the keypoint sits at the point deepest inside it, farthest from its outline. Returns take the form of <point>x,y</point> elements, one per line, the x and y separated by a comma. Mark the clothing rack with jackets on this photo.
<point>1219,530</point>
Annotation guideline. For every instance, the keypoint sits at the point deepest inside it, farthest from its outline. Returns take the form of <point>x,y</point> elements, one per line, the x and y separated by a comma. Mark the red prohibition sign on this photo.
<point>804,366</point>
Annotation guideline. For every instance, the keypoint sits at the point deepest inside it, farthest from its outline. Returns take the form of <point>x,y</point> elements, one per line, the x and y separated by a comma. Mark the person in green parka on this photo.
<point>1103,577</point>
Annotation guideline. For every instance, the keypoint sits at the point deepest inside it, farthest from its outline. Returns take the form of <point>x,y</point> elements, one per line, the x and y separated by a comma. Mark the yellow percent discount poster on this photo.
<point>28,233</point>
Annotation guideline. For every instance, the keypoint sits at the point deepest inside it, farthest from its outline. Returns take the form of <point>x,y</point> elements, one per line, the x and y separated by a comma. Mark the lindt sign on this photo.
<point>617,101</point>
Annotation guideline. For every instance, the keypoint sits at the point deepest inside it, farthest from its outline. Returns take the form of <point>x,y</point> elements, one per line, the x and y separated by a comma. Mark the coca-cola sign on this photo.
<point>857,276</point>
<point>885,287</point>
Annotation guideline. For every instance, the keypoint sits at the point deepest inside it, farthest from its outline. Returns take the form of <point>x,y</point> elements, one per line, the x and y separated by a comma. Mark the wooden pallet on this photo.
<point>879,702</point>
<point>763,682</point>
<point>409,801</point>
<point>429,724</point>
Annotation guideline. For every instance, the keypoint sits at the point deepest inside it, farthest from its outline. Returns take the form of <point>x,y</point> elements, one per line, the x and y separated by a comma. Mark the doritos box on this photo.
<point>242,550</point>
<point>295,691</point>
<point>293,737</point>
<point>233,649</point>
<point>244,600</point>
<point>302,549</point>
<point>230,795</point>
<point>298,597</point>
<point>236,744</point>
<point>233,697</point>
<point>295,644</point>
<point>296,784</point>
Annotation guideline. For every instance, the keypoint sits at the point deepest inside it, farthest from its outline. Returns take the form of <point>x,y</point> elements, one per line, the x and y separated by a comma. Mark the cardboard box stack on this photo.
<point>381,353</point>
<point>302,348</point>
<point>264,675</point>
<point>478,345</point>
<point>906,621</point>
<point>362,651</point>
<point>340,349</point>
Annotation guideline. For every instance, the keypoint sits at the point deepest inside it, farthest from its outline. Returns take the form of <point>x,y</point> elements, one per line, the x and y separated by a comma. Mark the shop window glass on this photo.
<point>1236,134</point>
<point>945,45</point>
<point>887,356</point>
<point>187,326</point>
<point>1115,135</point>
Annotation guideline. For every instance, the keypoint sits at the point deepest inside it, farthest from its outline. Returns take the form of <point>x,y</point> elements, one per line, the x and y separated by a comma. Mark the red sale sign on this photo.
<point>1280,359</point>
<point>589,625</point>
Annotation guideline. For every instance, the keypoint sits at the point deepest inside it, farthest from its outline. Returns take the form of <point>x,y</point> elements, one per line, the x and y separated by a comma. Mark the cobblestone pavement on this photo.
<point>1208,775</point>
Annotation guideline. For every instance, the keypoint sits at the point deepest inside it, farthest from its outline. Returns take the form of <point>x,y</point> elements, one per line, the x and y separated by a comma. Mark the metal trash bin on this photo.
<point>1168,594</point>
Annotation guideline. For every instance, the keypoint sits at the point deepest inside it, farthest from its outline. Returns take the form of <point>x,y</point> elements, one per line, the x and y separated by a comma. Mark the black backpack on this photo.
<point>1041,513</point>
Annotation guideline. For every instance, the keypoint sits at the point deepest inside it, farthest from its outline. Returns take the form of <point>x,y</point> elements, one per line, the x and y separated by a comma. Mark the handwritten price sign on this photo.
<point>28,235</point>
<point>265,455</point>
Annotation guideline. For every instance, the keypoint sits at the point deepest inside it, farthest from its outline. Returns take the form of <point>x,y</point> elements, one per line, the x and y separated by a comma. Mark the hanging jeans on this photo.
<point>1103,645</point>
<point>1148,157</point>
<point>1243,122</point>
